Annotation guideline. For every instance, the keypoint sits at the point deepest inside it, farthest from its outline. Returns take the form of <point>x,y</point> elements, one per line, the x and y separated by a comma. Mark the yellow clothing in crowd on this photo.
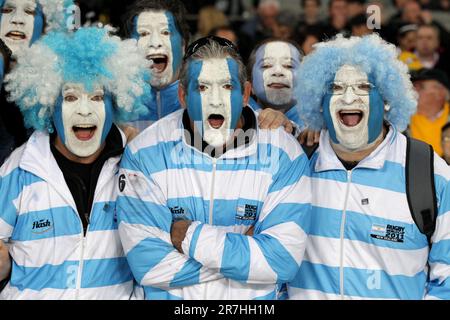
<point>427,130</point>
<point>411,60</point>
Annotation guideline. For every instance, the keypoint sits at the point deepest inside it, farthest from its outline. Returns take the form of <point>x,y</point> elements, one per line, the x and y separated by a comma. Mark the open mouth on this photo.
<point>16,35</point>
<point>276,85</point>
<point>160,62</point>
<point>350,118</point>
<point>216,121</point>
<point>84,132</point>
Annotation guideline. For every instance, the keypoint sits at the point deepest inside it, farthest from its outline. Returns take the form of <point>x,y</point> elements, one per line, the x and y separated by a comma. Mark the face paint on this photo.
<point>82,119</point>
<point>354,121</point>
<point>2,69</point>
<point>157,34</point>
<point>274,73</point>
<point>22,23</point>
<point>214,98</point>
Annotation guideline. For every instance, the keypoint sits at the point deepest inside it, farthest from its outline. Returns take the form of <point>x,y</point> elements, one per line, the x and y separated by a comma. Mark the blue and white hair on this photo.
<point>372,55</point>
<point>90,56</point>
<point>57,13</point>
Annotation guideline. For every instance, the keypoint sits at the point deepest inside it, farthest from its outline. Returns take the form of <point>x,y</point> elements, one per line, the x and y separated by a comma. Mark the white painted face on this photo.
<point>215,85</point>
<point>17,24</point>
<point>349,111</point>
<point>273,79</point>
<point>154,36</point>
<point>83,118</point>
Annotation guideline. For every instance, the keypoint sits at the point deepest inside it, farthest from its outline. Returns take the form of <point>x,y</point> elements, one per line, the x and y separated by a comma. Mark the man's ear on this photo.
<point>182,96</point>
<point>247,91</point>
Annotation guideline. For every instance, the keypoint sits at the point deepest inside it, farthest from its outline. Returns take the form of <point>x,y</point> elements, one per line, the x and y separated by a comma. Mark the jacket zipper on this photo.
<point>344,216</point>
<point>211,197</point>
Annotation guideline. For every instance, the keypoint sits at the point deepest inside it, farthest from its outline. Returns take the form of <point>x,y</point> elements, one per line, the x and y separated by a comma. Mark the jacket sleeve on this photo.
<point>275,251</point>
<point>439,257</point>
<point>10,191</point>
<point>144,228</point>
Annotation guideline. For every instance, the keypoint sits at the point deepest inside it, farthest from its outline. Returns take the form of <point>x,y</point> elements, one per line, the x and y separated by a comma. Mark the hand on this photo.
<point>178,233</point>
<point>309,137</point>
<point>5,261</point>
<point>273,119</point>
<point>130,132</point>
<point>426,16</point>
<point>250,231</point>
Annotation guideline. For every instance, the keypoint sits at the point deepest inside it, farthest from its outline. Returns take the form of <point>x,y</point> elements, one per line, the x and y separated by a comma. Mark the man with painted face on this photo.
<point>162,33</point>
<point>22,22</point>
<point>273,69</point>
<point>57,192</point>
<point>364,242</point>
<point>211,206</point>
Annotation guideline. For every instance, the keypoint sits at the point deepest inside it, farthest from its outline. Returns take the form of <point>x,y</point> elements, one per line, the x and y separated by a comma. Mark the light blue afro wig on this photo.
<point>57,13</point>
<point>372,55</point>
<point>90,56</point>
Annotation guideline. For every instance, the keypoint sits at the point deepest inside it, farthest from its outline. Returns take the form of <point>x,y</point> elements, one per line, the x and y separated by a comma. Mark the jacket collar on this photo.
<point>327,159</point>
<point>38,159</point>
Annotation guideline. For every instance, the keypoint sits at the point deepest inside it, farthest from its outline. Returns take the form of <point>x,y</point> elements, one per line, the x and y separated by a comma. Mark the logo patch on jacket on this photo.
<point>246,212</point>
<point>178,213</point>
<point>388,232</point>
<point>41,226</point>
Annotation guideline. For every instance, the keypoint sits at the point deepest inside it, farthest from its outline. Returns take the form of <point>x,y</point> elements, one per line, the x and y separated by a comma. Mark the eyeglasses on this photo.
<point>196,45</point>
<point>360,89</point>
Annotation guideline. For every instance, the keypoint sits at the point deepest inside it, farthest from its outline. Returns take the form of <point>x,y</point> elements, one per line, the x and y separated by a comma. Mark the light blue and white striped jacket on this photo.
<point>264,184</point>
<point>363,242</point>
<point>51,257</point>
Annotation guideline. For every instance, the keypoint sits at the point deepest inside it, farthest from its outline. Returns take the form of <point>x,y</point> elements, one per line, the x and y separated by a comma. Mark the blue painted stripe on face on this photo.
<point>194,100</point>
<point>38,28</point>
<point>58,119</point>
<point>134,33</point>
<point>257,74</point>
<point>376,114</point>
<point>176,41</point>
<point>109,115</point>
<point>2,69</point>
<point>237,100</point>
<point>327,117</point>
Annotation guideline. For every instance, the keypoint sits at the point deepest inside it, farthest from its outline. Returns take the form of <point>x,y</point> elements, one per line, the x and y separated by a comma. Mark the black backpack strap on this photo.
<point>420,188</point>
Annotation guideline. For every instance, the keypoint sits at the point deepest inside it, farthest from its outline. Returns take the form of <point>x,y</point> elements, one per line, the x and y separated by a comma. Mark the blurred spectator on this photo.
<point>262,25</point>
<point>407,39</point>
<point>209,18</point>
<point>444,5</point>
<point>7,142</point>
<point>308,38</point>
<point>225,32</point>
<point>445,142</point>
<point>358,26</point>
<point>433,87</point>
<point>412,13</point>
<point>285,25</point>
<point>355,8</point>
<point>337,20</point>
<point>310,16</point>
<point>427,48</point>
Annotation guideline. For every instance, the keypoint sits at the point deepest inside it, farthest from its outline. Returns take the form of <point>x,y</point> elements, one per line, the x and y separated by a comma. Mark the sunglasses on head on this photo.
<point>196,45</point>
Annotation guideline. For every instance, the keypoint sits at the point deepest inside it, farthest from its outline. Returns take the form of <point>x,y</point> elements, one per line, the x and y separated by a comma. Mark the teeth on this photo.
<point>350,111</point>
<point>84,126</point>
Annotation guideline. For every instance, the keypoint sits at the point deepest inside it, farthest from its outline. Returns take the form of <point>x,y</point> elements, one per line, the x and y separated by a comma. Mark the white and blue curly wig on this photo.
<point>56,13</point>
<point>372,55</point>
<point>90,56</point>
